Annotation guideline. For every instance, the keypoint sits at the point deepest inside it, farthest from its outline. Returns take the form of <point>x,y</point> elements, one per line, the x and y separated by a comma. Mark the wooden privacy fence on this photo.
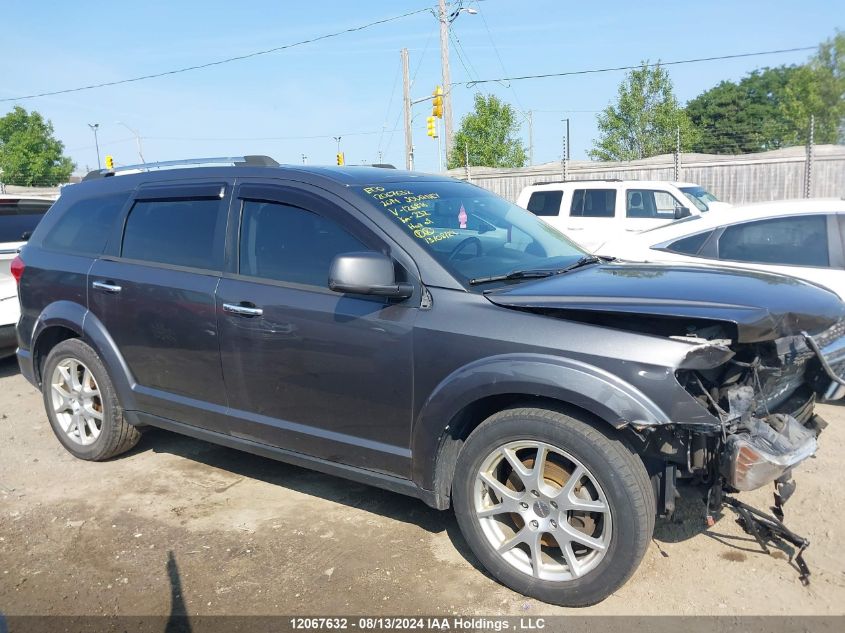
<point>776,175</point>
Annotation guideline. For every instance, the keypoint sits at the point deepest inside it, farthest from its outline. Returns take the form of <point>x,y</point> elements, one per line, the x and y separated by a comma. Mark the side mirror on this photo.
<point>682,212</point>
<point>367,274</point>
<point>26,235</point>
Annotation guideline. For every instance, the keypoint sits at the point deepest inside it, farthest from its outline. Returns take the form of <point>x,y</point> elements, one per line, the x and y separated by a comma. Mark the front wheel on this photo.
<point>553,507</point>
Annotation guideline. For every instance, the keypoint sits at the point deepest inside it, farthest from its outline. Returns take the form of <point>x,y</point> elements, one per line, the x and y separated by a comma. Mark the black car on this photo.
<point>421,334</point>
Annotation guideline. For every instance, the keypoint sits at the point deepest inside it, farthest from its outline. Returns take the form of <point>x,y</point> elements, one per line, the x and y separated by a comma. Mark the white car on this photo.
<point>19,215</point>
<point>590,212</point>
<point>700,197</point>
<point>801,238</point>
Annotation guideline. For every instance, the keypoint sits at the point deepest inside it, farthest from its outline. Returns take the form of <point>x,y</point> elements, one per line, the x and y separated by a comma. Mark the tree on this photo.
<point>645,119</point>
<point>737,118</point>
<point>29,154</point>
<point>490,133</point>
<point>771,108</point>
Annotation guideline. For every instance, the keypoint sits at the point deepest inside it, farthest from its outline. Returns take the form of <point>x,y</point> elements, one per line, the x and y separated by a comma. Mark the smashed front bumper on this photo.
<point>763,454</point>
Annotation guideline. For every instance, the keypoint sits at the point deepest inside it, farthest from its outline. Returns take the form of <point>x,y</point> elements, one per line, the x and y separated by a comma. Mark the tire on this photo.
<point>608,510</point>
<point>74,406</point>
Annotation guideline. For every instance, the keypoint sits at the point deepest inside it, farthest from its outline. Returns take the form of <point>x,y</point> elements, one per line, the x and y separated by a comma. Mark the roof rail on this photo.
<point>236,161</point>
<point>558,182</point>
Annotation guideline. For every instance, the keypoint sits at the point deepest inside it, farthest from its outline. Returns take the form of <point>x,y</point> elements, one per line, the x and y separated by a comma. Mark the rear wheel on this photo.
<point>553,507</point>
<point>82,405</point>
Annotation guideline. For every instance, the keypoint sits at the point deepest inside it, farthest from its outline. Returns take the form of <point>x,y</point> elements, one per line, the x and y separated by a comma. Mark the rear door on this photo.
<point>592,219</point>
<point>308,369</point>
<point>154,292</point>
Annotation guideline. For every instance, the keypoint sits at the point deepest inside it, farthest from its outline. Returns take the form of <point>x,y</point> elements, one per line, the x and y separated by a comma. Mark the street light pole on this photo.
<point>137,136</point>
<point>94,127</point>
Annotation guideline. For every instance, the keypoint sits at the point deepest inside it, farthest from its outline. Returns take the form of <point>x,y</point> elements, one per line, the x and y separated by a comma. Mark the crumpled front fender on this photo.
<point>591,388</point>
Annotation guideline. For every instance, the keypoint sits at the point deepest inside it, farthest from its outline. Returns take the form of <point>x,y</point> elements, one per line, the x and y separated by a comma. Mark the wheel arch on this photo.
<point>471,394</point>
<point>64,320</point>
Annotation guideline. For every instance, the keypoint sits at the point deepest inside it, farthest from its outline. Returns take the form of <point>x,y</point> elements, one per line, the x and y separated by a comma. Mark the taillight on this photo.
<point>16,268</point>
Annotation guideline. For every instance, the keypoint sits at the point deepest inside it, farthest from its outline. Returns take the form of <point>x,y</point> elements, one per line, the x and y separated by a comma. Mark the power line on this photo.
<point>470,84</point>
<point>258,138</point>
<point>220,61</point>
<point>501,62</point>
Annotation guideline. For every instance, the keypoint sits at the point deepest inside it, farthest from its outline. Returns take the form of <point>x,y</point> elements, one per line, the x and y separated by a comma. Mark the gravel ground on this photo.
<point>181,526</point>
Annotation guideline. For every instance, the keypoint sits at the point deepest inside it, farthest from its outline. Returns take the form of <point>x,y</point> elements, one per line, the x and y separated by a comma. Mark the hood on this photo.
<point>762,306</point>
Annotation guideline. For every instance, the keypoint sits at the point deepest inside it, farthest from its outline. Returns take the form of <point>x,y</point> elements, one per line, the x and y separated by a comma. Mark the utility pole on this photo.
<point>94,127</point>
<point>406,99</point>
<point>564,157</point>
<point>447,80</point>
<point>568,144</point>
<point>304,159</point>
<point>808,176</point>
<point>530,137</point>
<point>439,148</point>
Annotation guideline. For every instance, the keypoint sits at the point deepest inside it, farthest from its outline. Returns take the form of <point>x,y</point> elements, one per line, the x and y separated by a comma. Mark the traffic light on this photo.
<point>109,161</point>
<point>431,130</point>
<point>340,159</point>
<point>437,103</point>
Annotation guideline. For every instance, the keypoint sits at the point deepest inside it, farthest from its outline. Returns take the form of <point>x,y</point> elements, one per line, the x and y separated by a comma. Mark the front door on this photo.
<point>308,369</point>
<point>155,295</point>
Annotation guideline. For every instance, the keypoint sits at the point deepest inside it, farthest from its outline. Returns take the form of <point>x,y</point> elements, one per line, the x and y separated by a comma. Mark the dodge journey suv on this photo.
<point>423,335</point>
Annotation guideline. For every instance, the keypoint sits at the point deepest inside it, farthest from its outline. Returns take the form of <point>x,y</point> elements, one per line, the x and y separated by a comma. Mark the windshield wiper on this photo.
<point>537,272</point>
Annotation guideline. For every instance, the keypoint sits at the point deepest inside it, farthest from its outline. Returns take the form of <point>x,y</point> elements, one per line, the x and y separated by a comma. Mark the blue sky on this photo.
<point>350,85</point>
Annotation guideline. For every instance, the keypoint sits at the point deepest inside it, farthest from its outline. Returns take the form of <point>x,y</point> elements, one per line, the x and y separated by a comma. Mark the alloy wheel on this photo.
<point>542,510</point>
<point>77,402</point>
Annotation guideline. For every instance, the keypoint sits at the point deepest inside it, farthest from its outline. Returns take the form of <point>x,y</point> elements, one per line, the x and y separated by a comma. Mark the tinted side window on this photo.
<point>290,244</point>
<point>797,241</point>
<point>179,232</point>
<point>20,216</point>
<point>545,202</point>
<point>689,245</point>
<point>593,203</point>
<point>645,203</point>
<point>84,226</point>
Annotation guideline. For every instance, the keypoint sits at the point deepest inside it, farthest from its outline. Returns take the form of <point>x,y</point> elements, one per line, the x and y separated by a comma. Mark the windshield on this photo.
<point>472,232</point>
<point>699,196</point>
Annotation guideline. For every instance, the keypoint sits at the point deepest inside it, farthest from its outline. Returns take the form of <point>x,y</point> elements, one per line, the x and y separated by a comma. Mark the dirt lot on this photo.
<point>179,525</point>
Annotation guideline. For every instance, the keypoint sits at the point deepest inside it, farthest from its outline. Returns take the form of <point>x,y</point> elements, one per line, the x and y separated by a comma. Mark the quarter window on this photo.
<point>689,245</point>
<point>794,241</point>
<point>178,232</point>
<point>84,227</point>
<point>287,243</point>
<point>545,203</point>
<point>593,203</point>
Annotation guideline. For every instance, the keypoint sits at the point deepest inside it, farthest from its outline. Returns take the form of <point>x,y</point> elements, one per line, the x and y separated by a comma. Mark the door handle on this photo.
<point>106,286</point>
<point>242,310</point>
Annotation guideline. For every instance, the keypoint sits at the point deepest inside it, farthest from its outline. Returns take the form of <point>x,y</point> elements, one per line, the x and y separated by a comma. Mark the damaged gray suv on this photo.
<point>420,334</point>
